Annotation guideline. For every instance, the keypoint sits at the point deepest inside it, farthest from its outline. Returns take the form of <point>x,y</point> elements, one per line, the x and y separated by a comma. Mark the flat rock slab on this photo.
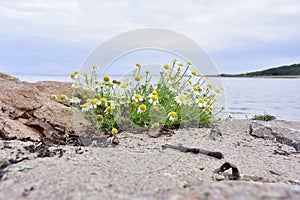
<point>285,132</point>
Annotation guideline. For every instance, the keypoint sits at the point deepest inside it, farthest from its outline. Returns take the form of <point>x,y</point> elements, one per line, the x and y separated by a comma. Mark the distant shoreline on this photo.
<point>241,76</point>
<point>237,76</point>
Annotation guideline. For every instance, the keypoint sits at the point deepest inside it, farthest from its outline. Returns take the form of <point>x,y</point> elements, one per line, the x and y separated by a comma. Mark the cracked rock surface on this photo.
<point>28,113</point>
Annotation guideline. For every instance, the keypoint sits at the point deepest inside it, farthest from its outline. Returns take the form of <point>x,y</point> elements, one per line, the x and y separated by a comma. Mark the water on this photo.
<point>244,97</point>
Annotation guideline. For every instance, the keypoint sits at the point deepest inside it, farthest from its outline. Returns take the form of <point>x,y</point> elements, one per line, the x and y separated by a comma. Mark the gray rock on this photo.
<point>285,132</point>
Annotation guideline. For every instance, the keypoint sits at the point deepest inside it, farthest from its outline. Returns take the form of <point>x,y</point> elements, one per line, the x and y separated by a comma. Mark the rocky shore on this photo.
<point>48,151</point>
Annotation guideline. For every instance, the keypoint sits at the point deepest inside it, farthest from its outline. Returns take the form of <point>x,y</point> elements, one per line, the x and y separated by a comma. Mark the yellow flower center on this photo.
<point>154,92</point>
<point>147,71</point>
<point>114,131</point>
<point>155,108</point>
<point>156,125</point>
<point>53,96</point>
<point>143,107</point>
<point>85,105</point>
<point>94,67</point>
<point>106,78</point>
<point>194,73</point>
<point>94,101</point>
<point>166,66</point>
<point>110,84</point>
<point>124,85</point>
<point>173,114</point>
<point>211,86</point>
<point>134,104</point>
<point>201,100</point>
<point>154,97</point>
<point>217,91</point>
<point>137,96</point>
<point>103,100</point>
<point>138,64</point>
<point>74,98</point>
<point>62,97</point>
<point>189,63</point>
<point>196,88</point>
<point>99,117</point>
<point>108,109</point>
<point>181,98</point>
<point>138,77</point>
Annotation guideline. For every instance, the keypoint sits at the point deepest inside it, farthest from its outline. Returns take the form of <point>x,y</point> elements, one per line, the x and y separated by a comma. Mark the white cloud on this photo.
<point>217,25</point>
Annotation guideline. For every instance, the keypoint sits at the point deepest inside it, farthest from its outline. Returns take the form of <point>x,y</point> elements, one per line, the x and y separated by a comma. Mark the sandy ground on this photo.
<point>138,168</point>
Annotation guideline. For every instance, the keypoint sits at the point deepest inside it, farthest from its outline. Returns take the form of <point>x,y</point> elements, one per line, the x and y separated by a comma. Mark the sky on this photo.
<point>56,36</point>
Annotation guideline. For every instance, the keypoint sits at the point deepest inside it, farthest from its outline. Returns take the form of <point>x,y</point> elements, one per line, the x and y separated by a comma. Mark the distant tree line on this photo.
<point>286,70</point>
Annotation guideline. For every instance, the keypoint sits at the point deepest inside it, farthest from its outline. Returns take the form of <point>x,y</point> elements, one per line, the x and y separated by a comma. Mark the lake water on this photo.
<point>244,97</point>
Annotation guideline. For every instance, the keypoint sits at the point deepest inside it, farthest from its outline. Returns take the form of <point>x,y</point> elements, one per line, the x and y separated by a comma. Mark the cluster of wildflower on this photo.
<point>180,97</point>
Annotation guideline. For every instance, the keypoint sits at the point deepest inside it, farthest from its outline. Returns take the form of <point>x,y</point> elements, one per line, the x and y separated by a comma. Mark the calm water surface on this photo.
<point>244,97</point>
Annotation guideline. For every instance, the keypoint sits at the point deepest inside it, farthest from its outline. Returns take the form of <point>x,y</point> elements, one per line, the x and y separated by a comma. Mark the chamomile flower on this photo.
<point>94,67</point>
<point>152,93</point>
<point>95,102</point>
<point>153,99</point>
<point>137,98</point>
<point>181,99</point>
<point>108,110</point>
<point>189,63</point>
<point>172,116</point>
<point>155,125</point>
<point>74,76</point>
<point>142,108</point>
<point>138,65</point>
<point>75,85</point>
<point>196,89</point>
<point>85,107</point>
<point>103,101</point>
<point>75,100</point>
<point>53,97</point>
<point>202,103</point>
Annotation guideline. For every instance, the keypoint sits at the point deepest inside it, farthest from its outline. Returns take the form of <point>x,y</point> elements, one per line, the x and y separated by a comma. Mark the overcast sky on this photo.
<point>55,37</point>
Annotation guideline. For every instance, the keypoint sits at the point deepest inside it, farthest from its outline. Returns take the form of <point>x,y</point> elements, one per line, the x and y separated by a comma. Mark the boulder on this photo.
<point>26,111</point>
<point>285,132</point>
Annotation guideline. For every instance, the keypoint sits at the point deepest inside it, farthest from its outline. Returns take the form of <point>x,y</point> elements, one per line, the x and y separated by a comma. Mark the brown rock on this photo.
<point>27,111</point>
<point>12,129</point>
<point>6,77</point>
